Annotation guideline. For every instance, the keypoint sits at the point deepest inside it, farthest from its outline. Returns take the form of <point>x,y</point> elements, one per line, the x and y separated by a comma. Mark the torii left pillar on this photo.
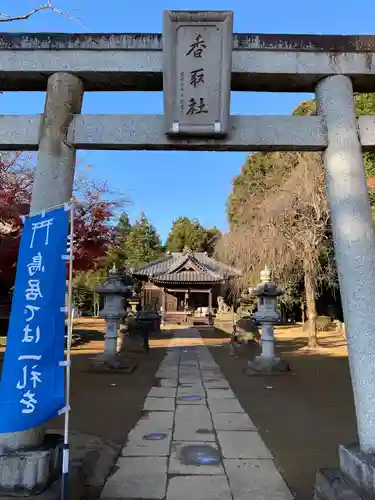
<point>28,463</point>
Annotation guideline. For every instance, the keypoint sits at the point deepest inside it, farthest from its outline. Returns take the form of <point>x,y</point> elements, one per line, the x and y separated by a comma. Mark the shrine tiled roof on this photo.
<point>186,267</point>
<point>187,277</point>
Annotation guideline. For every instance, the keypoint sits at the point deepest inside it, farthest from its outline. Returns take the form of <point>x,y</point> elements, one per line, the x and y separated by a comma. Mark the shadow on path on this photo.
<point>302,416</point>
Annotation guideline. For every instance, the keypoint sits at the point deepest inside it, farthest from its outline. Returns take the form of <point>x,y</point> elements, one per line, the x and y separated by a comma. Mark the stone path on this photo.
<point>194,441</point>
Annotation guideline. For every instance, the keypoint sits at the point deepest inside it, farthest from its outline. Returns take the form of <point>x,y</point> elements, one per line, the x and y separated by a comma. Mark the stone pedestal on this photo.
<point>29,472</point>
<point>114,357</point>
<point>110,341</point>
<point>262,365</point>
<point>355,480</point>
<point>115,363</point>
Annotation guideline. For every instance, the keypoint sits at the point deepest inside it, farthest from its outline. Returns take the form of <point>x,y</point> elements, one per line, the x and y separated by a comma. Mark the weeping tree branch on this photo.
<point>6,18</point>
<point>284,223</point>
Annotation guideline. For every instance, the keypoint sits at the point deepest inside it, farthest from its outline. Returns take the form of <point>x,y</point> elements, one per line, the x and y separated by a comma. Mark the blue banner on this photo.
<point>32,384</point>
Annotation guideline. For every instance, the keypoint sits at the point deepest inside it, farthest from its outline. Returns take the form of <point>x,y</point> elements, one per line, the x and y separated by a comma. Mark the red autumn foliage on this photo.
<point>93,233</point>
<point>15,188</point>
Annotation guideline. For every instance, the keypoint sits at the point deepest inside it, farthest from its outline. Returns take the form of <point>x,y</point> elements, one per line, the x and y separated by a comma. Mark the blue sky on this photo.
<point>166,185</point>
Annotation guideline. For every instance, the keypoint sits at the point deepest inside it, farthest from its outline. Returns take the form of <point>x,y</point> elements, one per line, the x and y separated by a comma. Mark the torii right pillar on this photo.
<point>354,240</point>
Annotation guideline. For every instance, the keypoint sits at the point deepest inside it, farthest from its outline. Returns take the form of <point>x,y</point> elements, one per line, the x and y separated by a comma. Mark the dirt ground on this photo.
<point>302,416</point>
<point>107,405</point>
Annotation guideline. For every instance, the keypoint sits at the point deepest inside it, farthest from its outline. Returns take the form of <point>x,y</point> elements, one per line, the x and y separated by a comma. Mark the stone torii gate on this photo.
<point>202,62</point>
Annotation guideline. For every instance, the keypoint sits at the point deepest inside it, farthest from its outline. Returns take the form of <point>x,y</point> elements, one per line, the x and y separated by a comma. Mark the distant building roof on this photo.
<point>186,267</point>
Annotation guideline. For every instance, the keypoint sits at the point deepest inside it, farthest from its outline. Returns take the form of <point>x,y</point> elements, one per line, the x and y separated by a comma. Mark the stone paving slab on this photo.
<point>156,421</point>
<point>178,464</point>
<point>168,382</point>
<point>220,394</point>
<point>191,389</point>
<point>137,477</point>
<point>189,380</point>
<point>195,383</point>
<point>242,444</point>
<point>198,488</point>
<point>185,414</point>
<point>190,373</point>
<point>190,419</point>
<point>194,433</point>
<point>170,365</point>
<point>182,400</point>
<point>171,370</point>
<point>193,423</point>
<point>139,442</point>
<point>187,449</point>
<point>213,376</point>
<point>159,404</point>
<point>167,374</point>
<point>256,479</point>
<point>225,406</point>
<point>216,385</point>
<point>162,392</point>
<point>233,422</point>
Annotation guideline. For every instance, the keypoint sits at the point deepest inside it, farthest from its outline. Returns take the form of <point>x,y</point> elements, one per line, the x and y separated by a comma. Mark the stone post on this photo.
<point>163,307</point>
<point>267,315</point>
<point>210,322</point>
<point>110,341</point>
<point>186,305</point>
<point>354,241</point>
<point>53,185</point>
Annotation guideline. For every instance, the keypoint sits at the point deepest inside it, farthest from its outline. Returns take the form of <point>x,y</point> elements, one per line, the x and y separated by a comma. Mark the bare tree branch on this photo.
<point>283,222</point>
<point>6,18</point>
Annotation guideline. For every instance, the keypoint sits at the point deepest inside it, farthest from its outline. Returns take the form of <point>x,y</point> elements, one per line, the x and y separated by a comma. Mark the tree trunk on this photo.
<point>311,307</point>
<point>283,314</point>
<point>302,311</point>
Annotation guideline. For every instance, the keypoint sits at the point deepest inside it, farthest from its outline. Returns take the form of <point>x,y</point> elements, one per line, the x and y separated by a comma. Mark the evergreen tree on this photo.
<point>142,244</point>
<point>190,233</point>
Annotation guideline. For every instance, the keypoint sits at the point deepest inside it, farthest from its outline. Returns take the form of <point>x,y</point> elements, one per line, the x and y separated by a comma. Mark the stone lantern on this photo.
<point>267,315</point>
<point>134,301</point>
<point>113,291</point>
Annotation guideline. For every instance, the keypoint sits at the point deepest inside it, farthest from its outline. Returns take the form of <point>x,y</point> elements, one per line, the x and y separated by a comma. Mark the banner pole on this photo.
<point>65,460</point>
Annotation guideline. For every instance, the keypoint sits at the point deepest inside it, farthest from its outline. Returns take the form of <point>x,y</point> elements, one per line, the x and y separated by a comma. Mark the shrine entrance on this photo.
<point>198,61</point>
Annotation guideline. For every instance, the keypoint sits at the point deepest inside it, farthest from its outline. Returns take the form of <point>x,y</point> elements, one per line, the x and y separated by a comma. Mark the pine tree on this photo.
<point>142,244</point>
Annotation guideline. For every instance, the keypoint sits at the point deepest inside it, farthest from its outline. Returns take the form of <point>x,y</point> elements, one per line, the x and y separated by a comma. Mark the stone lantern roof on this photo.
<point>113,285</point>
<point>266,288</point>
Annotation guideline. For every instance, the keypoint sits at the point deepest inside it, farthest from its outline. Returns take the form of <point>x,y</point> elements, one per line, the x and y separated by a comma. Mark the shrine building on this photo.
<point>184,286</point>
